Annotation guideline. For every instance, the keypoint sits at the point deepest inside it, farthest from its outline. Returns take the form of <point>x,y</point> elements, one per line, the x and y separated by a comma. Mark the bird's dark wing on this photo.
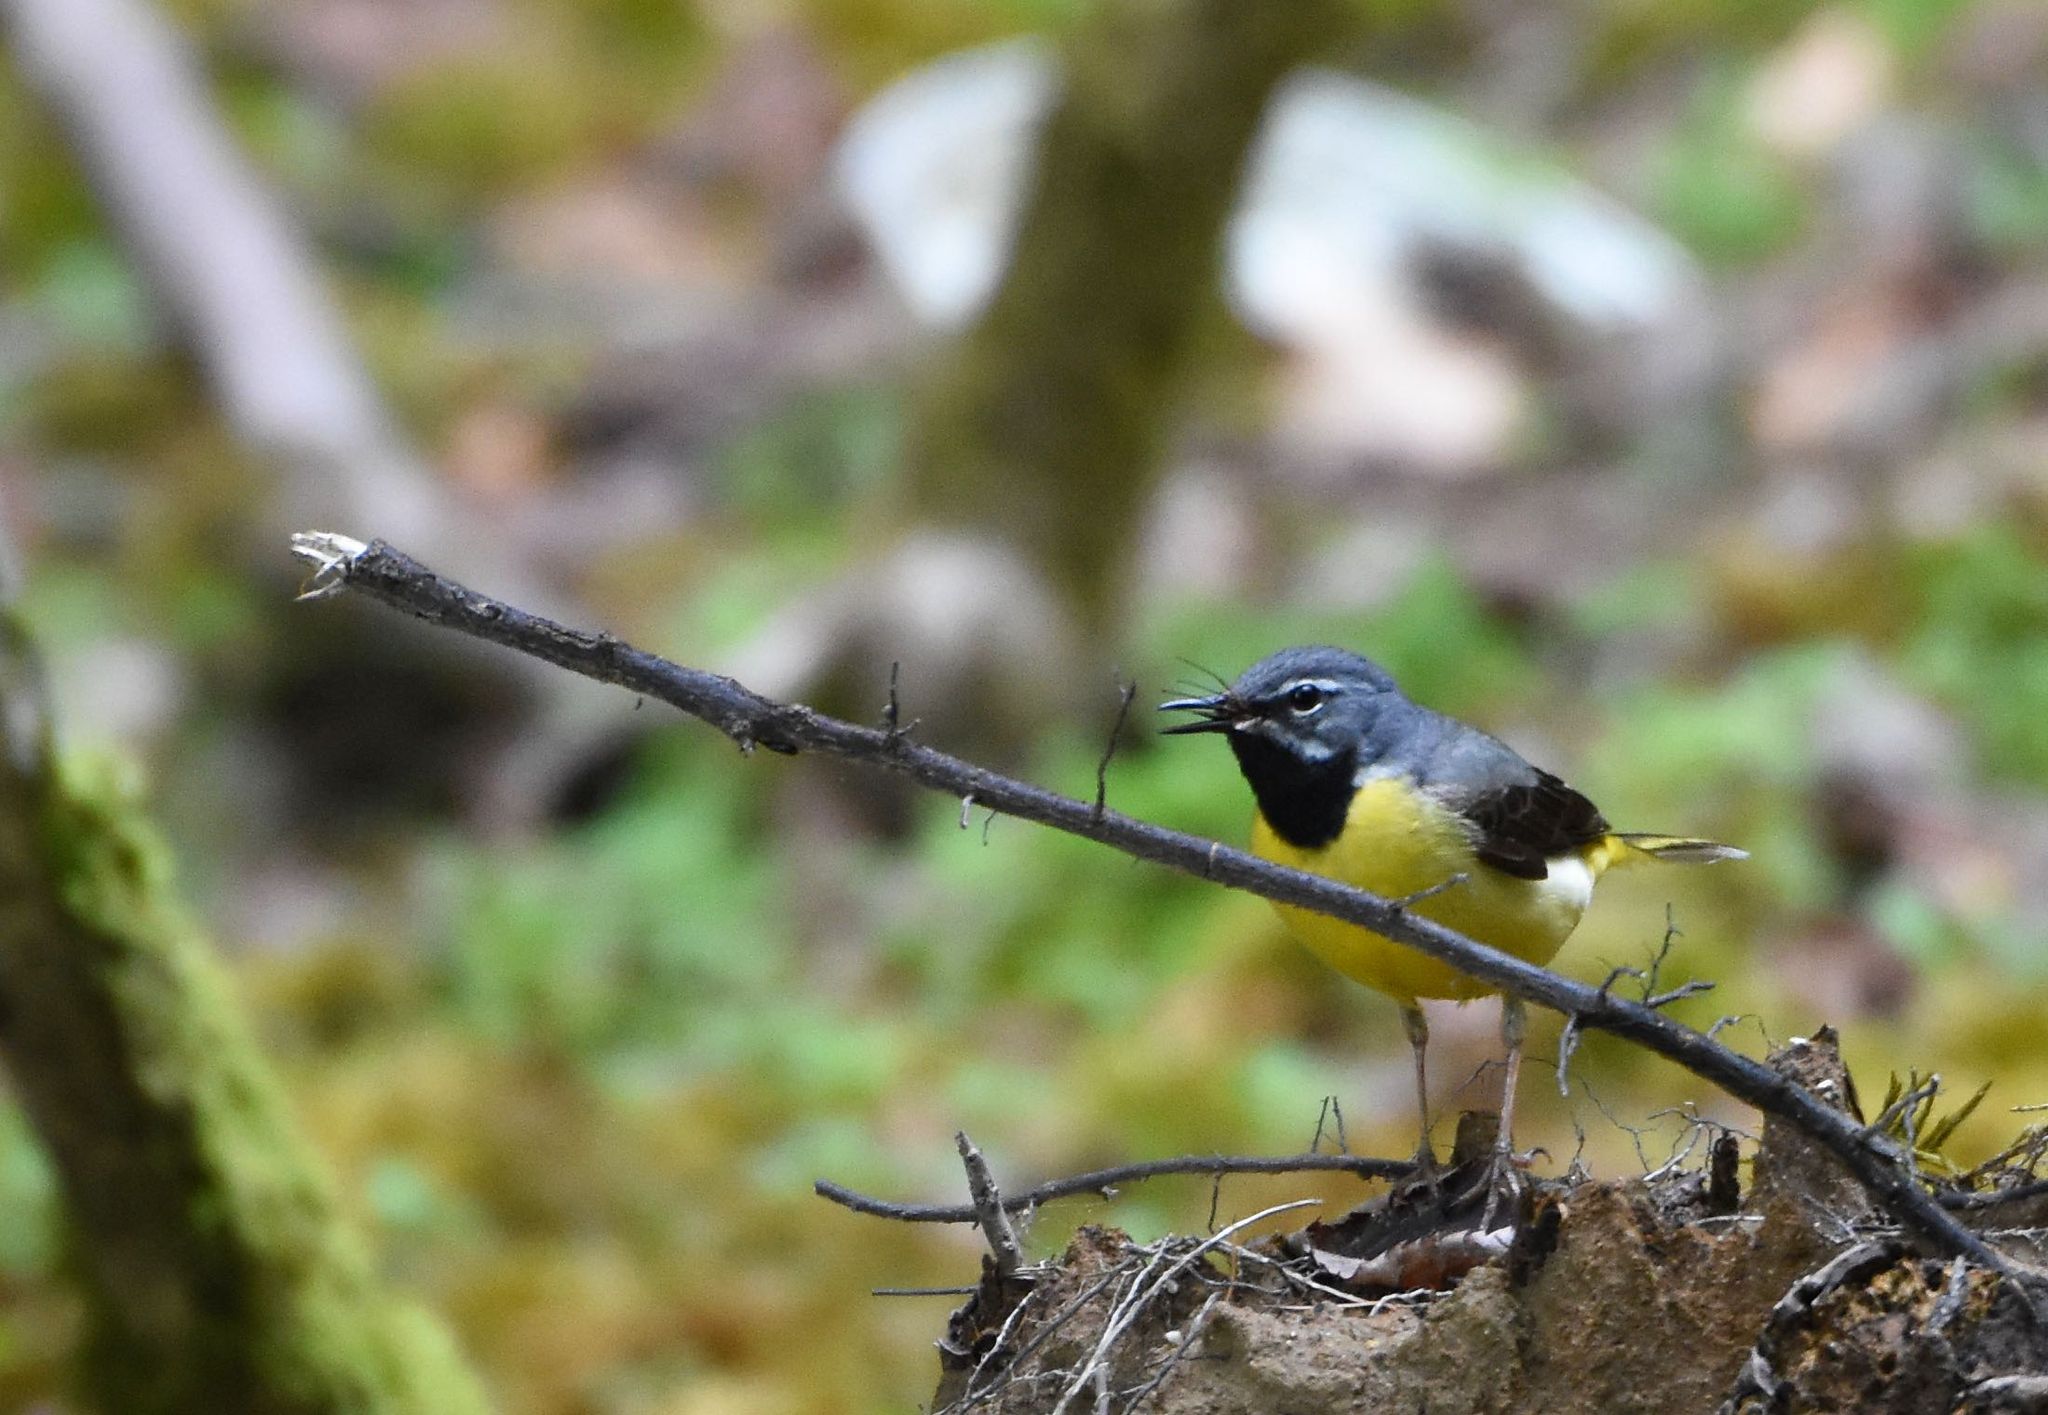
<point>1519,816</point>
<point>1518,828</point>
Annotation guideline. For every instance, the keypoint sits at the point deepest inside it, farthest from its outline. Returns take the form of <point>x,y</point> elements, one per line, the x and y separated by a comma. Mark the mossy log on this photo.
<point>202,1229</point>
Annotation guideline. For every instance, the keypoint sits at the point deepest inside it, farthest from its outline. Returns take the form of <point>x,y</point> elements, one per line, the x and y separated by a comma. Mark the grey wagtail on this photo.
<point>1357,783</point>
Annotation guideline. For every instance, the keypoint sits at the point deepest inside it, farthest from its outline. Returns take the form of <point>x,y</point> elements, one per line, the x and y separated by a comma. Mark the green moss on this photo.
<point>218,1273</point>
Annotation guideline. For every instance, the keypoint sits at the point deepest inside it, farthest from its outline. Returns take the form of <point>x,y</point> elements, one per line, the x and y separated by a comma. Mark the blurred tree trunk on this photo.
<point>242,285</point>
<point>218,1275</point>
<point>1046,426</point>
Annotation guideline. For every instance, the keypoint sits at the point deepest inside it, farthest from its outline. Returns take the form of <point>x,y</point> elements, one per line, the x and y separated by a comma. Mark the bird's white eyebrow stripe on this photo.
<point>1328,685</point>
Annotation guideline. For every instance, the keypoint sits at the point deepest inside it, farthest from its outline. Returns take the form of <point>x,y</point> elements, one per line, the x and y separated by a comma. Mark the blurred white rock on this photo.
<point>933,168</point>
<point>1349,187</point>
<point>1367,177</point>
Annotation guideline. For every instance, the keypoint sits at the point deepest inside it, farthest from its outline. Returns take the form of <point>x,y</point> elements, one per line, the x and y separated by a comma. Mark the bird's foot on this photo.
<point>1428,1174</point>
<point>1505,1188</point>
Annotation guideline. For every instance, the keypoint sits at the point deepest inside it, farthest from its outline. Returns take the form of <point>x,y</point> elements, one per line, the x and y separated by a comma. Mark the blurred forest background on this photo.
<point>1664,386</point>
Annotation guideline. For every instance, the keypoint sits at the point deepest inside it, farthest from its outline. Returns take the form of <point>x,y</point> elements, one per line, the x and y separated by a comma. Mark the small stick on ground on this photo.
<point>922,1291</point>
<point>1991,1198</point>
<point>1188,1337</point>
<point>1104,1182</point>
<point>988,1208</point>
<point>1047,1329</point>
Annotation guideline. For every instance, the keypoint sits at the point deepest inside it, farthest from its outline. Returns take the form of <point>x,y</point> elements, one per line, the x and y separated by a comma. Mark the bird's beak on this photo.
<point>1221,715</point>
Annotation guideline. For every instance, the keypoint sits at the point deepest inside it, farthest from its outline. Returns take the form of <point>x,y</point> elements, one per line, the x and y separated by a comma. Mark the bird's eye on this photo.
<point>1305,698</point>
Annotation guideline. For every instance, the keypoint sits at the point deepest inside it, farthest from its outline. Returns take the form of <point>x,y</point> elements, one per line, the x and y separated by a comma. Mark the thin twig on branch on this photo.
<point>389,576</point>
<point>1993,1198</point>
<point>1098,1181</point>
<point>1125,695</point>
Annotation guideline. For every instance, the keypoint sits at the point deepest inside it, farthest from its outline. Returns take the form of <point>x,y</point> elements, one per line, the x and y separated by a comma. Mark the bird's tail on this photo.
<point>1677,848</point>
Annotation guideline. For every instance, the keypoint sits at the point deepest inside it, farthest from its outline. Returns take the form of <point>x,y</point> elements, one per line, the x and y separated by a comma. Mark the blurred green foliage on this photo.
<point>1914,27</point>
<point>1978,640</point>
<point>2009,198</point>
<point>580,1092</point>
<point>1722,191</point>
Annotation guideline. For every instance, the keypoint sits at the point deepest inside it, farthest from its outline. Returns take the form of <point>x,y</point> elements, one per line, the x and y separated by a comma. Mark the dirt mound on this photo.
<point>1665,1293</point>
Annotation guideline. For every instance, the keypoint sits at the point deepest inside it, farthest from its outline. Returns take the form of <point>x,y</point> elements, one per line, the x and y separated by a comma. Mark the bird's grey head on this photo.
<point>1301,725</point>
<point>1314,702</point>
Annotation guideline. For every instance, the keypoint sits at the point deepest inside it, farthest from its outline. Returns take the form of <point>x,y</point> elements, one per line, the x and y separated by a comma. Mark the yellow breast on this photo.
<point>1396,842</point>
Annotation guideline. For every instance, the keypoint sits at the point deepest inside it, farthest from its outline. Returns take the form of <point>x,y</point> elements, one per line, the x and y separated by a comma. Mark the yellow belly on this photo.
<point>1396,843</point>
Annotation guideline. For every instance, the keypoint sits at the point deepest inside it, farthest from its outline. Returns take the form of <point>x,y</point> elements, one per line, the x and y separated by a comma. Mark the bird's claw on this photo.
<point>1428,1174</point>
<point>1505,1187</point>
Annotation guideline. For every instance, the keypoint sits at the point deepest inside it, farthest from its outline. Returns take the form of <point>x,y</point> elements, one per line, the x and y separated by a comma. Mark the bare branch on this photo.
<point>1103,1181</point>
<point>1671,936</point>
<point>1567,1047</point>
<point>393,578</point>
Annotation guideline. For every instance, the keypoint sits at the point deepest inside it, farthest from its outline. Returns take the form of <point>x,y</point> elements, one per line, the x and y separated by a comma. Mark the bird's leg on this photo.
<point>1417,1027</point>
<point>1505,1183</point>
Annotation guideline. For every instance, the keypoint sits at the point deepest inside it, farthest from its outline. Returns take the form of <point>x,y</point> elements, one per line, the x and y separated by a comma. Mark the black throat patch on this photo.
<point>1305,802</point>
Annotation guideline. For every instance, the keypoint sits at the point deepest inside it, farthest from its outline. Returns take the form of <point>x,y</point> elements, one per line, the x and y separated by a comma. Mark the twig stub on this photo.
<point>988,1208</point>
